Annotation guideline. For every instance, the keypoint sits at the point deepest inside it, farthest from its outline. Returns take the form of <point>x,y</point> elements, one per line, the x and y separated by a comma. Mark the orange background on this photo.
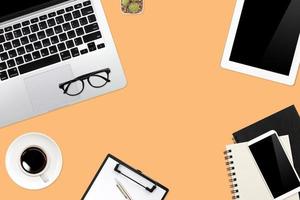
<point>175,116</point>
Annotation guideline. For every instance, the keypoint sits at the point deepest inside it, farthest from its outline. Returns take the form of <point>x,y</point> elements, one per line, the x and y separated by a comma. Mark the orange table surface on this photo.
<point>176,114</point>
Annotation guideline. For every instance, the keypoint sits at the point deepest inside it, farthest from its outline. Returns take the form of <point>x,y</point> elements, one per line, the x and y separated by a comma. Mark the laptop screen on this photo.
<point>15,8</point>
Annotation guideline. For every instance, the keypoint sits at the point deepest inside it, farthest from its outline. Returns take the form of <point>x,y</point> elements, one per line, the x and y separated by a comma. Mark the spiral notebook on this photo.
<point>115,180</point>
<point>245,179</point>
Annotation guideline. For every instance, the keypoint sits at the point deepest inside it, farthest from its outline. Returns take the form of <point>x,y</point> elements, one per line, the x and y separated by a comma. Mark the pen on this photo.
<point>123,190</point>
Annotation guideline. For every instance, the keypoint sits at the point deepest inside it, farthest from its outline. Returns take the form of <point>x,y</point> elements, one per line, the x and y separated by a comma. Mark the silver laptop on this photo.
<point>54,53</point>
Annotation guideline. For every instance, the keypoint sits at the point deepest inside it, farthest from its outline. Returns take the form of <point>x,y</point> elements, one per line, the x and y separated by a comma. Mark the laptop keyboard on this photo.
<point>48,39</point>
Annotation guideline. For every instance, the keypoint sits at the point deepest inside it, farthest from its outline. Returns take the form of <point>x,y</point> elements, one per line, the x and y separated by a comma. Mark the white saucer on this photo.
<point>13,159</point>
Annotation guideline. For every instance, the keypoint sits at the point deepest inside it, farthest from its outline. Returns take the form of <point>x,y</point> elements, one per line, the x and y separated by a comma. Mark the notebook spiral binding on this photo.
<point>231,174</point>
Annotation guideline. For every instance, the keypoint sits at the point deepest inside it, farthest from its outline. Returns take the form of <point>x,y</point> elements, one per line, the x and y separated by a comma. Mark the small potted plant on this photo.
<point>132,6</point>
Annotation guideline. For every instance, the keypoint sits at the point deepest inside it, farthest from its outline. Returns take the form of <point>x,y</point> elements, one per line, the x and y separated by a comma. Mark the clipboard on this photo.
<point>113,172</point>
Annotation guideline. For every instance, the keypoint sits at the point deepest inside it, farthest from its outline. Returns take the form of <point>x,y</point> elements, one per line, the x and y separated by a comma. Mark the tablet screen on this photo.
<point>267,35</point>
<point>274,166</point>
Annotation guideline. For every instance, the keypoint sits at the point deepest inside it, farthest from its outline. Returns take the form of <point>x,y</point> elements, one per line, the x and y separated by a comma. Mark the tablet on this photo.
<point>263,40</point>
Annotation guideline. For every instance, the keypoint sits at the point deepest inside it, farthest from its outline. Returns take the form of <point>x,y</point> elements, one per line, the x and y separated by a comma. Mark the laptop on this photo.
<point>54,53</point>
<point>263,40</point>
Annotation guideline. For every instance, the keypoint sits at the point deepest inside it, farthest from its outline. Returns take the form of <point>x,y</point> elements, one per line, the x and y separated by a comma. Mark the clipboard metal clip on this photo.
<point>139,172</point>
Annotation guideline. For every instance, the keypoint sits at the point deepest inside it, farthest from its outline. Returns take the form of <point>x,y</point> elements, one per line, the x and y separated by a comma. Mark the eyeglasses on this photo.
<point>96,79</point>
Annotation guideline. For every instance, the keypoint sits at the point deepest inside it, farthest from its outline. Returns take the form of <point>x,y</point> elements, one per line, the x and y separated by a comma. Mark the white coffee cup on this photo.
<point>45,173</point>
<point>34,162</point>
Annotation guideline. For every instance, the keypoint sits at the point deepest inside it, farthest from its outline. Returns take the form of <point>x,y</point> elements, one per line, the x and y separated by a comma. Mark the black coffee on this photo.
<point>33,160</point>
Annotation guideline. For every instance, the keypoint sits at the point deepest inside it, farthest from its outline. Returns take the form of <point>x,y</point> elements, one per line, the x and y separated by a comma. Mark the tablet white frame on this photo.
<point>246,69</point>
<point>262,137</point>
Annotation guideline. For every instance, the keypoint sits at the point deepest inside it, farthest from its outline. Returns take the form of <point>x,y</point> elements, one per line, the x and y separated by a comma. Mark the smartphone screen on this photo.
<point>274,165</point>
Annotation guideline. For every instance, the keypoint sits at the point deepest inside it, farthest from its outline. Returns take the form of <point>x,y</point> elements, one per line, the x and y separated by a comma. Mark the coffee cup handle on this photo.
<point>44,177</point>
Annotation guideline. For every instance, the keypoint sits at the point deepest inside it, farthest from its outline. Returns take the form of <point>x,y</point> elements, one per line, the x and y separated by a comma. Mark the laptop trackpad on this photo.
<point>44,92</point>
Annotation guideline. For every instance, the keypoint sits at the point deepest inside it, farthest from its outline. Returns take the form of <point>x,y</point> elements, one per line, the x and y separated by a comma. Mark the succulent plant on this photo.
<point>125,2</point>
<point>134,7</point>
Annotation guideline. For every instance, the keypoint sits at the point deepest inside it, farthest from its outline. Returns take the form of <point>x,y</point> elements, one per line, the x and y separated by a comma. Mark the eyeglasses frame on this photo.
<point>84,77</point>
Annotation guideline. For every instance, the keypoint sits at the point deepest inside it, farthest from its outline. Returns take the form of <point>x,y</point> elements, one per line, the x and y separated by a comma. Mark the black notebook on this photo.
<point>284,122</point>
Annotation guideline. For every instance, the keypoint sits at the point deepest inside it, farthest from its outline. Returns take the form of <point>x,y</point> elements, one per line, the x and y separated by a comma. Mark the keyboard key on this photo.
<point>75,24</point>
<point>58,29</point>
<point>11,63</point>
<point>19,60</point>
<point>17,33</point>
<point>92,18</point>
<point>83,21</point>
<point>24,40</point>
<point>92,37</point>
<point>61,46</point>
<point>29,48</point>
<point>21,51</point>
<point>2,39</point>
<point>84,51</point>
<point>3,76</point>
<point>26,23</point>
<point>41,35</point>
<point>70,44</point>
<point>91,28</point>
<point>53,49</point>
<point>43,17</point>
<point>3,66</point>
<point>44,52</point>
<point>28,58</point>
<point>62,11</point>
<point>75,52</point>
<point>78,41</point>
<point>16,26</point>
<point>53,14</point>
<point>67,26</point>
<point>87,10</point>
<point>36,55</point>
<point>9,36</point>
<point>7,46</point>
<point>49,32</point>
<point>80,31</point>
<point>16,43</point>
<point>38,64</point>
<point>37,45</point>
<point>63,37</point>
<point>65,55</point>
<point>71,34</point>
<point>92,46</point>
<point>51,22</point>
<point>7,29</point>
<point>76,14</point>
<point>68,17</point>
<point>33,37</point>
<point>34,20</point>
<point>59,20</point>
<point>77,6</point>
<point>43,25</point>
<point>87,3</point>
<point>69,9</point>
<point>13,72</point>
<point>26,30</point>
<point>54,40</point>
<point>1,31</point>
<point>1,48</point>
<point>12,53</point>
<point>34,28</point>
<point>46,42</point>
